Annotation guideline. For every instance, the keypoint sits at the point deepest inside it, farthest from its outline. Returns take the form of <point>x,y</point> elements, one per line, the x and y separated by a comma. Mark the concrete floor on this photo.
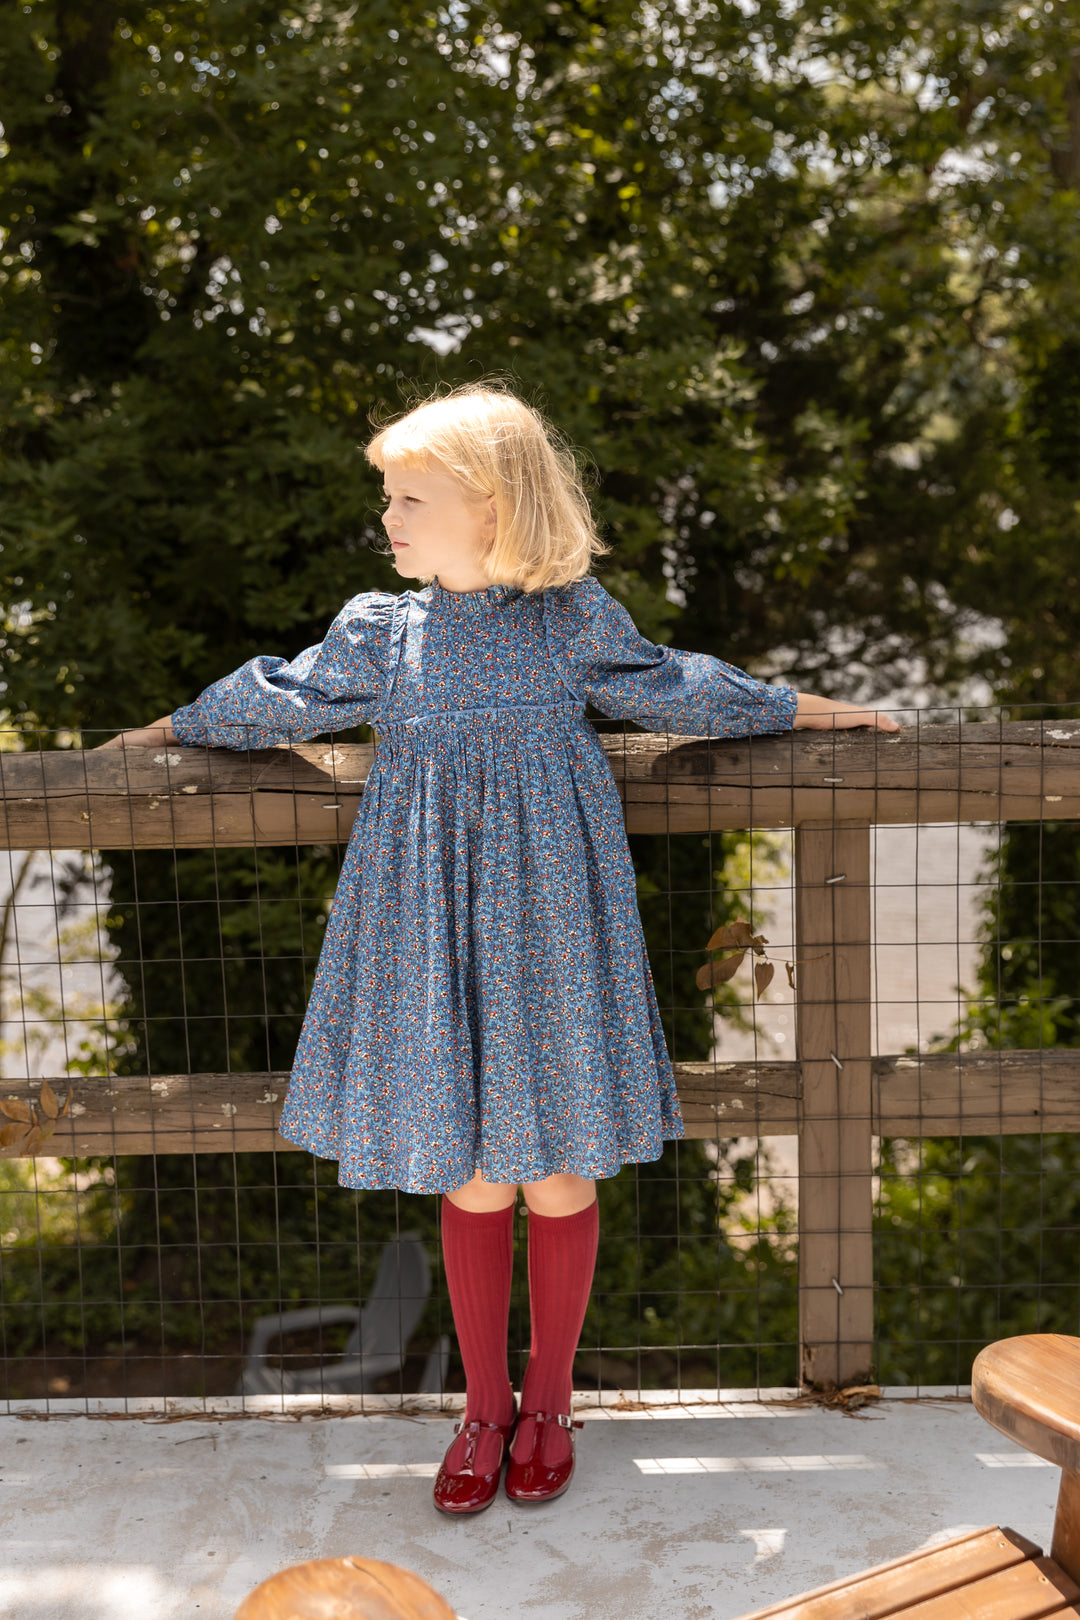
<point>686,1513</point>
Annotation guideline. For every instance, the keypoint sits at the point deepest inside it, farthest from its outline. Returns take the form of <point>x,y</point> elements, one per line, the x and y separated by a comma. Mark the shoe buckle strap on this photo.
<point>563,1419</point>
<point>475,1426</point>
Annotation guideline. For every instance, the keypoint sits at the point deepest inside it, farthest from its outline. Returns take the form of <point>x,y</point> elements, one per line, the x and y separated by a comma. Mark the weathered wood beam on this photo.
<point>833,1028</point>
<point>169,1113</point>
<point>977,1093</point>
<point>938,1094</point>
<point>1016,771</point>
<point>157,798</point>
<point>213,1113</point>
<point>739,1099</point>
<point>931,1094</point>
<point>145,798</point>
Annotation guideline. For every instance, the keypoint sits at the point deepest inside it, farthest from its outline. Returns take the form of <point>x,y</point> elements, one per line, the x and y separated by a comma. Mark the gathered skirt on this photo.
<point>483,999</point>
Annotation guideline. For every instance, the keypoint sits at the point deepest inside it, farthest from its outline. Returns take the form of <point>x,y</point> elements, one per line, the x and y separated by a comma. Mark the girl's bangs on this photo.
<point>403,448</point>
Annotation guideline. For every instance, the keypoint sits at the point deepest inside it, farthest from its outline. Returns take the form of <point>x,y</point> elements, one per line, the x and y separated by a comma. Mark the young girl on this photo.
<point>483,1015</point>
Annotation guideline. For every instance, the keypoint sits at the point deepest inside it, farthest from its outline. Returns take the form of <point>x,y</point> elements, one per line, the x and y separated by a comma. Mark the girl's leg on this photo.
<point>563,1233</point>
<point>481,1197</point>
<point>477,1245</point>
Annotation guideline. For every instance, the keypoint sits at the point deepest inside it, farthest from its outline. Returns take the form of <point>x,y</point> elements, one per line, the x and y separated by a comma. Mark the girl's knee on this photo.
<point>480,1197</point>
<point>559,1195</point>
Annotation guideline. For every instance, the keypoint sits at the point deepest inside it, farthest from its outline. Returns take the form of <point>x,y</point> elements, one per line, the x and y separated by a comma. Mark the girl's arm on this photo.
<point>607,660</point>
<point>152,736</point>
<point>811,714</point>
<point>337,684</point>
<point>825,714</point>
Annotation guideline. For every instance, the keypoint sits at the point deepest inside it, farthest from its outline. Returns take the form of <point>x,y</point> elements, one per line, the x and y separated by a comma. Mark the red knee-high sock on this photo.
<point>562,1259</point>
<point>478,1258</point>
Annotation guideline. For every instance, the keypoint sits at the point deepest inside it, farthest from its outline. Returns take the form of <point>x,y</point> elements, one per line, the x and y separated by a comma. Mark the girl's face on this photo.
<point>435,528</point>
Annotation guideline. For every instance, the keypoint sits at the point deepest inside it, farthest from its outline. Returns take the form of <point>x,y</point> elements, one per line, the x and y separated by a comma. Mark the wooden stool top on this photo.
<point>1029,1389</point>
<point>344,1589</point>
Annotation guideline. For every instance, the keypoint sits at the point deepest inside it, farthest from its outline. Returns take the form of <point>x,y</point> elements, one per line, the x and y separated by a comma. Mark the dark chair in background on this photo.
<point>375,1349</point>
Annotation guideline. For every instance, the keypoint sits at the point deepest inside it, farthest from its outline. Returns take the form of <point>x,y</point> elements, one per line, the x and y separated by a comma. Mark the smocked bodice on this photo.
<point>469,651</point>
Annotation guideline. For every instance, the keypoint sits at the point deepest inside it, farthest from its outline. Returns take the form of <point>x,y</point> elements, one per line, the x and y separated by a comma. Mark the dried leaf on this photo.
<point>759,942</point>
<point>763,973</point>
<point>714,973</point>
<point>15,1108</point>
<point>31,1142</point>
<point>735,935</point>
<point>727,967</point>
<point>49,1105</point>
<point>10,1134</point>
<point>66,1108</point>
<point>790,969</point>
<point>848,1399</point>
<point>46,1128</point>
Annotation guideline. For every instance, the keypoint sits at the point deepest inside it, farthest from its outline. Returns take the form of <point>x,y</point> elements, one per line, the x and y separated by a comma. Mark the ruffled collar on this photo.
<point>473,601</point>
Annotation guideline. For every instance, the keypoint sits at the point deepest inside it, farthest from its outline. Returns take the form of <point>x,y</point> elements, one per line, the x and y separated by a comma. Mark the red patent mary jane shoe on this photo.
<point>461,1489</point>
<point>534,1480</point>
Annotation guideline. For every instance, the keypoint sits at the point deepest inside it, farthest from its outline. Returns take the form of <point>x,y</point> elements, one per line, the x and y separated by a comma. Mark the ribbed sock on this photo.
<point>478,1259</point>
<point>562,1259</point>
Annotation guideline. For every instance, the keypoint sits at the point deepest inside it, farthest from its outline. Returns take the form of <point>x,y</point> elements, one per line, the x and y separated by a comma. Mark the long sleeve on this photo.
<point>329,687</point>
<point>608,661</point>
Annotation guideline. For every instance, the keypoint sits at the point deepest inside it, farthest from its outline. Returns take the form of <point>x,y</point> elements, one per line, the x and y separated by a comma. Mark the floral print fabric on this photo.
<point>483,998</point>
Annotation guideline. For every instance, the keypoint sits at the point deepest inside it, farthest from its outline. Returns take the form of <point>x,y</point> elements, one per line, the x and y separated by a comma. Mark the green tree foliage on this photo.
<point>976,1241</point>
<point>796,277</point>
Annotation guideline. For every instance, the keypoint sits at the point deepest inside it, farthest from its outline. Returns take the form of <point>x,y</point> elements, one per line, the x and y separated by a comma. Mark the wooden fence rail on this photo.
<point>932,1094</point>
<point>146,798</point>
<point>831,788</point>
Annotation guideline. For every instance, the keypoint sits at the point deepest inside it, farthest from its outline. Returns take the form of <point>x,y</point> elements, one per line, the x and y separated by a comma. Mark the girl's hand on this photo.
<point>158,735</point>
<point>826,714</point>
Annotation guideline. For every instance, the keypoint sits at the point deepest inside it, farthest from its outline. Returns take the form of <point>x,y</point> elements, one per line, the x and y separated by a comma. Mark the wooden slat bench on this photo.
<point>1029,1388</point>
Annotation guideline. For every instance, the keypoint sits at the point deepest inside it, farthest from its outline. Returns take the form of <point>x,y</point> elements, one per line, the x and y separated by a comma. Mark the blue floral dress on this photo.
<point>483,999</point>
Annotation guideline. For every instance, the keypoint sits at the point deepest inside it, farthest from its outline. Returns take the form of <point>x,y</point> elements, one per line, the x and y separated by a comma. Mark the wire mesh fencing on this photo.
<point>863,953</point>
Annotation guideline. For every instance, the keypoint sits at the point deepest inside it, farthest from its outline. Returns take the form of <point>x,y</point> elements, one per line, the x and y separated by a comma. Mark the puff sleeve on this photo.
<point>329,687</point>
<point>606,659</point>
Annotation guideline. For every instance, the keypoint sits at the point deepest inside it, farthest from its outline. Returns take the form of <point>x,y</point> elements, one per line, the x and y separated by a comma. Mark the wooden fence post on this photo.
<point>832,980</point>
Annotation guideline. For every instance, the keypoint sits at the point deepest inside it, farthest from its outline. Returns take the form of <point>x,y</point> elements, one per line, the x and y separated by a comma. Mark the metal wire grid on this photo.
<point>146,1275</point>
<point>976,1232</point>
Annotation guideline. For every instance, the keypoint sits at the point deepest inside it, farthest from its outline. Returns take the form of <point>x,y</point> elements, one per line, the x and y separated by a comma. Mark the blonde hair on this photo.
<point>496,445</point>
